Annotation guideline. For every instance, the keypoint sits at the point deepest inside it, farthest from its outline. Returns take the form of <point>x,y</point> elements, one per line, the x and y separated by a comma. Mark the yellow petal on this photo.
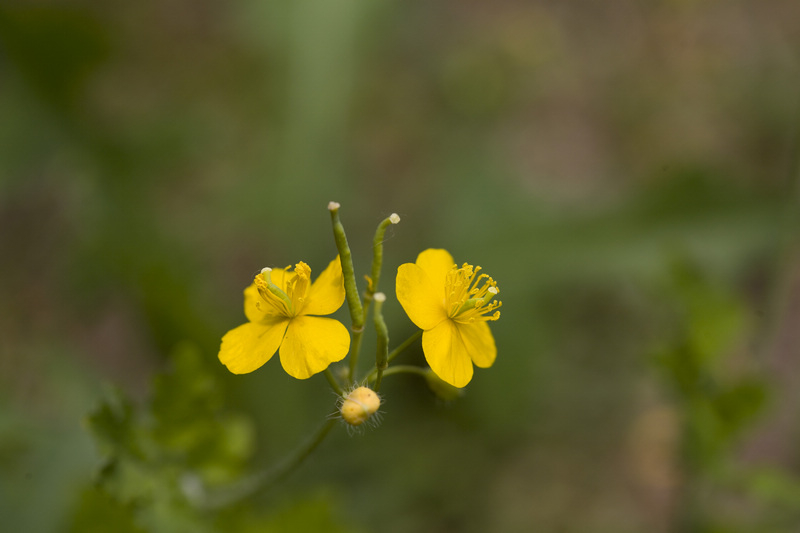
<point>436,263</point>
<point>311,344</point>
<point>326,294</point>
<point>446,354</point>
<point>422,300</point>
<point>249,346</point>
<point>479,342</point>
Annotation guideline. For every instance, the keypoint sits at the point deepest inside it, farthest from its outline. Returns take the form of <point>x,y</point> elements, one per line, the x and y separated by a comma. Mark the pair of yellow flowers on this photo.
<point>285,313</point>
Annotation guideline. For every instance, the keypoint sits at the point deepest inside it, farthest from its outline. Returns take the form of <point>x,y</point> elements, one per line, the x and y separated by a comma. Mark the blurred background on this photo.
<point>628,173</point>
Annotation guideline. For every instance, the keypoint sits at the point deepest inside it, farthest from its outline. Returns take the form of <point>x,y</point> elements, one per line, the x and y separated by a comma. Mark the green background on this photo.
<point>626,171</point>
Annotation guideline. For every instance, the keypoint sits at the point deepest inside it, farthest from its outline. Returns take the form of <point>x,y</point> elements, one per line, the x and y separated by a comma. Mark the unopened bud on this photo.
<point>359,405</point>
<point>440,388</point>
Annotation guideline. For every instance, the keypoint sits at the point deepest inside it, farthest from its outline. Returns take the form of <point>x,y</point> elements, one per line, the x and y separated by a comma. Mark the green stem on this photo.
<point>262,480</point>
<point>405,369</point>
<point>296,459</point>
<point>394,353</point>
<point>350,288</point>
<point>355,349</point>
<point>333,382</point>
<point>406,343</point>
<point>382,343</point>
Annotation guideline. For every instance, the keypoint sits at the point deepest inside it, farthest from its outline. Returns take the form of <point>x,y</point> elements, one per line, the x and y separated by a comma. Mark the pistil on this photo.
<point>269,292</point>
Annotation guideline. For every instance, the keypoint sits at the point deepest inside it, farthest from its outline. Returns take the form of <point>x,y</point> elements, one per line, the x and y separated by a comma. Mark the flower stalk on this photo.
<point>334,383</point>
<point>394,353</point>
<point>382,343</point>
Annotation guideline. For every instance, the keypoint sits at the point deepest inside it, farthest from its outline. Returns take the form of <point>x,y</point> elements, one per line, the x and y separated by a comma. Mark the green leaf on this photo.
<point>113,426</point>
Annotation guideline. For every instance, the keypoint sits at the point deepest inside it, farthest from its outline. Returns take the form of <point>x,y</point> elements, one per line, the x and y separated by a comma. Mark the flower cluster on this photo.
<point>286,313</point>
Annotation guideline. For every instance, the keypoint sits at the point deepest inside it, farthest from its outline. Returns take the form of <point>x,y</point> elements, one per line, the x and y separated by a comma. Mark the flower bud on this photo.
<point>359,405</point>
<point>443,390</point>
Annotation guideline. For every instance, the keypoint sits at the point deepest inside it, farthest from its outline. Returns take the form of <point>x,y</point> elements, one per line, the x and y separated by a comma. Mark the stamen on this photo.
<point>298,286</point>
<point>469,294</point>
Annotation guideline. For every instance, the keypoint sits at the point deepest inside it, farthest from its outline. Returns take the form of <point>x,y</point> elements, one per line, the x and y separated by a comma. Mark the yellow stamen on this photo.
<point>469,294</point>
<point>297,287</point>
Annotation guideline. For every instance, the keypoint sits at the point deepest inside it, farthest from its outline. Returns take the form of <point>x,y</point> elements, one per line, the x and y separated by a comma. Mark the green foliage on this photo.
<point>97,511</point>
<point>314,513</point>
<point>719,399</point>
<point>707,323</point>
<point>169,463</point>
<point>154,456</point>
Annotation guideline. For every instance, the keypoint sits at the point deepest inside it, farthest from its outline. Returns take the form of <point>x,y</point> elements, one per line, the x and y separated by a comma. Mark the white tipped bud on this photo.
<point>394,218</point>
<point>493,290</point>
<point>379,297</point>
<point>359,405</point>
<point>333,206</point>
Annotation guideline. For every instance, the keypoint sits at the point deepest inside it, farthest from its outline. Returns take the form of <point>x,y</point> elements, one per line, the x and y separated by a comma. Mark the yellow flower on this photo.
<point>279,305</point>
<point>451,305</point>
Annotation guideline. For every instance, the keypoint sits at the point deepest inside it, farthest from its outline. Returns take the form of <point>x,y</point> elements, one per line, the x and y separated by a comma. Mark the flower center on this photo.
<point>289,299</point>
<point>468,295</point>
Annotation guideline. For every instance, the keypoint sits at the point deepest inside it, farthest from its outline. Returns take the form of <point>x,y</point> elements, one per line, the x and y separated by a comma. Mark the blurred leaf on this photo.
<point>739,404</point>
<point>114,427</point>
<point>778,487</point>
<point>714,318</point>
<point>190,424</point>
<point>183,440</point>
<point>98,512</point>
<point>313,513</point>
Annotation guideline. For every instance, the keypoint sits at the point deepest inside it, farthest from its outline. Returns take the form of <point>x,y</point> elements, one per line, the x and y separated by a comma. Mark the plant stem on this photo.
<point>406,343</point>
<point>405,369</point>
<point>394,353</point>
<point>382,342</point>
<point>265,478</point>
<point>333,382</point>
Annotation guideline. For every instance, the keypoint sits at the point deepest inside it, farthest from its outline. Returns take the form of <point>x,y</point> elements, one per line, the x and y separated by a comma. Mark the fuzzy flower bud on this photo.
<point>359,405</point>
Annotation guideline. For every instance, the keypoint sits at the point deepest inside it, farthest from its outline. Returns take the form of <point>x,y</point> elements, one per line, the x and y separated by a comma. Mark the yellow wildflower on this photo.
<point>278,306</point>
<point>451,305</point>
